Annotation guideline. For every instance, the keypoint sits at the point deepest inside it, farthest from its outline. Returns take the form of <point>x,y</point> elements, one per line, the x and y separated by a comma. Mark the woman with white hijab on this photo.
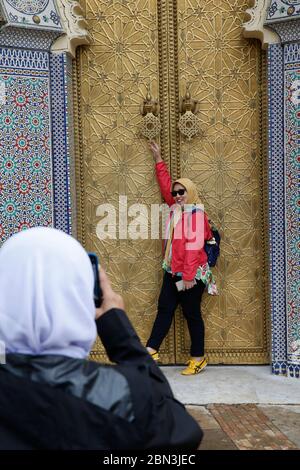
<point>50,309</point>
<point>52,396</point>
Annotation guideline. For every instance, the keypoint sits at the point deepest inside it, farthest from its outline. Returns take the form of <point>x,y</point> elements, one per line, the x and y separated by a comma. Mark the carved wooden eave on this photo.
<point>75,26</point>
<point>254,27</point>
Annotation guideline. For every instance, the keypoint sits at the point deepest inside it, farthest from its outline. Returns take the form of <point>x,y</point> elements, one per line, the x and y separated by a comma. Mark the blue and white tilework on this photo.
<point>287,30</point>
<point>71,144</point>
<point>41,14</point>
<point>21,37</point>
<point>61,142</point>
<point>280,10</point>
<point>277,207</point>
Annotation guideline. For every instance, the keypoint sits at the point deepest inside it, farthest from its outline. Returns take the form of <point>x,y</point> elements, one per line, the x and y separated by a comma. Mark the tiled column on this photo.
<point>284,185</point>
<point>277,208</point>
<point>62,142</point>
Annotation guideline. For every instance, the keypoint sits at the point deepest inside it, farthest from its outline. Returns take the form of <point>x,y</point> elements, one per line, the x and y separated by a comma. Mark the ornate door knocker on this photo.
<point>188,123</point>
<point>151,124</point>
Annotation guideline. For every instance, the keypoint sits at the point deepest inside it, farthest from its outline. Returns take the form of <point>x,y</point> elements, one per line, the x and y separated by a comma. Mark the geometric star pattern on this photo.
<point>224,72</point>
<point>116,71</point>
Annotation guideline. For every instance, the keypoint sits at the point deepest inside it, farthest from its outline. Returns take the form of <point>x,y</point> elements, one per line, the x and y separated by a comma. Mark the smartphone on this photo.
<point>97,288</point>
<point>179,285</point>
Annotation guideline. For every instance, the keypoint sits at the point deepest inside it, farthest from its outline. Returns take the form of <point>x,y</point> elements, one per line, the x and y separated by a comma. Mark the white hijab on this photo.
<point>46,295</point>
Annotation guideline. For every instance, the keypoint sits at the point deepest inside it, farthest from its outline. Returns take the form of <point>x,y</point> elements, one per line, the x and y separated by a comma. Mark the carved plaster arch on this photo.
<point>255,28</point>
<point>75,27</point>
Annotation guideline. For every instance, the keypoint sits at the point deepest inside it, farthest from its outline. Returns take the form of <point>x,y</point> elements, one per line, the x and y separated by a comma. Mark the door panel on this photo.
<point>114,73</point>
<point>224,72</point>
<point>166,45</point>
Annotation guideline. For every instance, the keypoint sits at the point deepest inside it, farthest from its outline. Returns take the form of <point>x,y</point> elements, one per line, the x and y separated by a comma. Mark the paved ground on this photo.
<point>241,407</point>
<point>248,427</point>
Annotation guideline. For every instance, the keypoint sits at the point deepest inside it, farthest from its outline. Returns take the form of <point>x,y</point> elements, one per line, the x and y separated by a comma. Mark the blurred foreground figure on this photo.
<point>52,397</point>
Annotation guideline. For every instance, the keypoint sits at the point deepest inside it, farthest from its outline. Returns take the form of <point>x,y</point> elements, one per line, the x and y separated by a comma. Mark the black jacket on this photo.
<point>56,402</point>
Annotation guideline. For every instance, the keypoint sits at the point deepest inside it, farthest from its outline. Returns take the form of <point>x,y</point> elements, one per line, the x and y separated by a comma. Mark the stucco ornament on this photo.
<point>254,27</point>
<point>75,27</point>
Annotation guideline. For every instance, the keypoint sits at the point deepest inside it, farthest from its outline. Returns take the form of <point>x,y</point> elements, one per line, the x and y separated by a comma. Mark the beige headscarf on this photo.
<point>191,188</point>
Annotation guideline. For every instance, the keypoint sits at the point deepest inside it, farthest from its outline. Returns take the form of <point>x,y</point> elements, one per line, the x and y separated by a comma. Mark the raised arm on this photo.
<point>162,174</point>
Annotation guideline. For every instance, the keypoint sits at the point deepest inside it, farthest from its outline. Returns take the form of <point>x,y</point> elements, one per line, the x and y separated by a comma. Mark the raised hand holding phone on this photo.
<point>110,298</point>
<point>97,286</point>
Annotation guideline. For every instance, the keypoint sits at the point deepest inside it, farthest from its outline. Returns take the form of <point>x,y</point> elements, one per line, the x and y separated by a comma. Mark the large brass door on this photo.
<point>166,46</point>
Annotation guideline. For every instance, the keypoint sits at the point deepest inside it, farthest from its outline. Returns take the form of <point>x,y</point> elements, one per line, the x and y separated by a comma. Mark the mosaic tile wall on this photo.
<point>284,203</point>
<point>62,207</point>
<point>277,208</point>
<point>292,197</point>
<point>71,146</point>
<point>35,101</point>
<point>25,141</point>
<point>21,37</point>
<point>282,10</point>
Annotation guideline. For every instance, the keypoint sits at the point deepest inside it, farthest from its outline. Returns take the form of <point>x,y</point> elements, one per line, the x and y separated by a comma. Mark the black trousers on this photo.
<point>167,303</point>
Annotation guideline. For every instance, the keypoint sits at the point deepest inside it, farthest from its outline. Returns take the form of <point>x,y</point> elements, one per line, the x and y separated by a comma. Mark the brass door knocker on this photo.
<point>151,124</point>
<point>188,124</point>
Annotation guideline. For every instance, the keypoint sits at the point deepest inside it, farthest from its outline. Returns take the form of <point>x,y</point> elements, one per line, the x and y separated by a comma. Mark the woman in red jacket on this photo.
<point>187,272</point>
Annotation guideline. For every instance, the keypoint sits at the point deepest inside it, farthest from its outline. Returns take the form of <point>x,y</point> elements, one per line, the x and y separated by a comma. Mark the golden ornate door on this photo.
<point>166,46</point>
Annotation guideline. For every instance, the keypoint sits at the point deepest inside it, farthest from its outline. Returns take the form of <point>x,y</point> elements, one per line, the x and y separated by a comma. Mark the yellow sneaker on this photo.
<point>194,367</point>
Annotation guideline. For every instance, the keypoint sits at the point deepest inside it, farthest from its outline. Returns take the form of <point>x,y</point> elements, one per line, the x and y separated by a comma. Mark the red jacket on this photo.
<point>185,259</point>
